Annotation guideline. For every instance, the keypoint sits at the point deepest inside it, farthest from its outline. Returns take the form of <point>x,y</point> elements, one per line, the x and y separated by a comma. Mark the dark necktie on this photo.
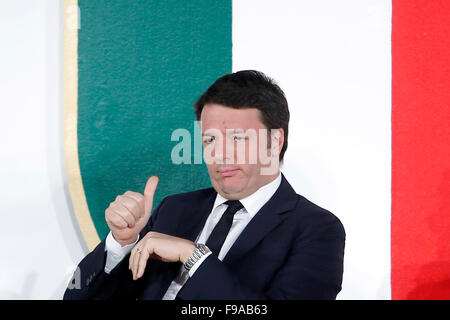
<point>220,231</point>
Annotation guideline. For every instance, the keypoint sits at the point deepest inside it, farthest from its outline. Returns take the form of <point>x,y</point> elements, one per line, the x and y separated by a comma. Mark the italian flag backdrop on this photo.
<point>367,83</point>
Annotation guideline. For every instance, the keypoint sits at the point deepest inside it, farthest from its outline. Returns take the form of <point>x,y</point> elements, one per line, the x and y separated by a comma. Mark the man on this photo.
<point>249,237</point>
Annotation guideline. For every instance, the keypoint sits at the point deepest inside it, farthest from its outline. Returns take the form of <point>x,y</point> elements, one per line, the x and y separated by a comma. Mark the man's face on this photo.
<point>232,157</point>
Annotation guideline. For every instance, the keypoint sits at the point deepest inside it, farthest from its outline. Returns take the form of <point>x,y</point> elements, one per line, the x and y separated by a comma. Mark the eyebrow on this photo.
<point>239,130</point>
<point>228,130</point>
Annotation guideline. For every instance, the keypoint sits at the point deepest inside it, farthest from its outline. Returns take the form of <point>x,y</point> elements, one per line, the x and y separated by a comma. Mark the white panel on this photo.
<point>332,59</point>
<point>40,241</point>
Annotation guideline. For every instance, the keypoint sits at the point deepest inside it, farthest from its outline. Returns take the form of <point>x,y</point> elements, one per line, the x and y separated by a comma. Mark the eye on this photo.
<point>209,139</point>
<point>238,138</point>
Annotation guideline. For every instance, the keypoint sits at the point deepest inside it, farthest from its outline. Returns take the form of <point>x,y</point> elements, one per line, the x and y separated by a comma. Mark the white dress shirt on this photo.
<point>252,203</point>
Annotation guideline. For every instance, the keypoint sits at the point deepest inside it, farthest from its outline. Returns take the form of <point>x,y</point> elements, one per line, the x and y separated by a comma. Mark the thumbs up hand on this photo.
<point>130,212</point>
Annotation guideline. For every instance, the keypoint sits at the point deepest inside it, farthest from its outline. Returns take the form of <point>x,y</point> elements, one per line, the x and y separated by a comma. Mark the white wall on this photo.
<point>40,242</point>
<point>332,59</point>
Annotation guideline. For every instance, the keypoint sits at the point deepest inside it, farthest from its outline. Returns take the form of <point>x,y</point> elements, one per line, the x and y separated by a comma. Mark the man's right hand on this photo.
<point>129,213</point>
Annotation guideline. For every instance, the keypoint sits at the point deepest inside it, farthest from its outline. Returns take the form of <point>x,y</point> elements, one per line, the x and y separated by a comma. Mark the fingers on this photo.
<point>149,193</point>
<point>132,258</point>
<point>132,202</point>
<point>135,202</point>
<point>115,220</point>
<point>126,208</point>
<point>132,207</point>
<point>157,246</point>
<point>139,257</point>
<point>120,216</point>
<point>126,214</point>
<point>140,254</point>
<point>142,262</point>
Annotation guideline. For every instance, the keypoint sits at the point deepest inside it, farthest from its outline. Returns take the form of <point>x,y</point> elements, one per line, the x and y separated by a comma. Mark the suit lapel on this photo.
<point>267,218</point>
<point>195,219</point>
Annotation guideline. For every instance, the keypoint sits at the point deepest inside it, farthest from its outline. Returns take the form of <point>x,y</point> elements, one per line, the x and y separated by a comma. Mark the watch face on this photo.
<point>204,249</point>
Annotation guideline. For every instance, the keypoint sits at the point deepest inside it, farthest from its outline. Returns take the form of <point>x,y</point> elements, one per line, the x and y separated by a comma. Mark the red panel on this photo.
<point>420,227</point>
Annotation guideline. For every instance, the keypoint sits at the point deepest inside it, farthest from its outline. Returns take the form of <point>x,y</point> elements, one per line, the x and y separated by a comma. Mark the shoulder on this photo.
<point>175,208</point>
<point>187,198</point>
<point>197,195</point>
<point>311,219</point>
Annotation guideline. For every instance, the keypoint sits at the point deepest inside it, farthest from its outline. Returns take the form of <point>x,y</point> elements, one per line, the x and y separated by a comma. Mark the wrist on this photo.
<point>199,252</point>
<point>187,252</point>
<point>125,242</point>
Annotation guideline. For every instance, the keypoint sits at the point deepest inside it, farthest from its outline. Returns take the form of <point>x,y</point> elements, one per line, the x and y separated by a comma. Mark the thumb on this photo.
<point>149,193</point>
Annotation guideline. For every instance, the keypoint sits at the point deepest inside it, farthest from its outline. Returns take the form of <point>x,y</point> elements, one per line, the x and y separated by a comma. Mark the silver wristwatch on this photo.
<point>199,251</point>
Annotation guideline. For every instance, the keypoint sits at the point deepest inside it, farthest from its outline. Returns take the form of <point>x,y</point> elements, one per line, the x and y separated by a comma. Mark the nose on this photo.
<point>224,152</point>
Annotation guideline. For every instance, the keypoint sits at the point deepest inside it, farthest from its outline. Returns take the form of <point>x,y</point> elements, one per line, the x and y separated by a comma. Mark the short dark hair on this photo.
<point>250,89</point>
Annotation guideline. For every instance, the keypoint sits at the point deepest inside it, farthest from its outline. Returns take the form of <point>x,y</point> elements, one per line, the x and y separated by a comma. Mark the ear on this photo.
<point>281,140</point>
<point>277,142</point>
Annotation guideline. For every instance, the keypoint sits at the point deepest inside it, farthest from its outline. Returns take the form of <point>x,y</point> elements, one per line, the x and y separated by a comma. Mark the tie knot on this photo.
<point>234,206</point>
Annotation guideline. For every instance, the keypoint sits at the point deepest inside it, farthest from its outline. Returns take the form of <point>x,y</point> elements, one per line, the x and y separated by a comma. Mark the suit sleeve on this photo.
<point>91,282</point>
<point>312,270</point>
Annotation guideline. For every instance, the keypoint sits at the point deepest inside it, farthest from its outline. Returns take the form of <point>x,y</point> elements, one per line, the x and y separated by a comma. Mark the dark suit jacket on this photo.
<point>291,249</point>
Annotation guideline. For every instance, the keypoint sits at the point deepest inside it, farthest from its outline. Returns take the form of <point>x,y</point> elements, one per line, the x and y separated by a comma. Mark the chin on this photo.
<point>230,195</point>
<point>228,189</point>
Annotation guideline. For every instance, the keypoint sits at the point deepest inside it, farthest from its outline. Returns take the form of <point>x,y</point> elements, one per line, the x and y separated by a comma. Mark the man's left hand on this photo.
<point>159,246</point>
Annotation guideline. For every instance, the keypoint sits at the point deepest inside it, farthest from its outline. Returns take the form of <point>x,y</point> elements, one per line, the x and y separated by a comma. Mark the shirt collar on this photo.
<point>256,200</point>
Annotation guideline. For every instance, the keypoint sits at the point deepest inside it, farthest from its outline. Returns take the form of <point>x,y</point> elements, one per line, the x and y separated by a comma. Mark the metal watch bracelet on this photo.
<point>199,251</point>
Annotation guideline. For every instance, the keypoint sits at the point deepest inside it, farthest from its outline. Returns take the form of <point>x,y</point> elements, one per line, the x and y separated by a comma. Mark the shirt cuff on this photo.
<point>197,264</point>
<point>115,252</point>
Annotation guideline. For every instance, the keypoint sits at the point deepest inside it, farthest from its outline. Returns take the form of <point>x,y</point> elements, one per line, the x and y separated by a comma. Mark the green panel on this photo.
<point>142,64</point>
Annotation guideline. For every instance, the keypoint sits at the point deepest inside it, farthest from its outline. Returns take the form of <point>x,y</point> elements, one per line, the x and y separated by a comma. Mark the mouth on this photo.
<point>228,172</point>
